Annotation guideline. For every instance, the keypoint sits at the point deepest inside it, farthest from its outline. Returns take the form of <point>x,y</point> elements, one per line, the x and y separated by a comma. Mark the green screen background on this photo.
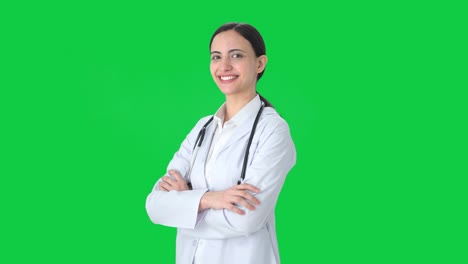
<point>96,97</point>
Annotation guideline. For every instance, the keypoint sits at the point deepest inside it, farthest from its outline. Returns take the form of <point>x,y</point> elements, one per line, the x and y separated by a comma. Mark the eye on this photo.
<point>215,57</point>
<point>237,55</point>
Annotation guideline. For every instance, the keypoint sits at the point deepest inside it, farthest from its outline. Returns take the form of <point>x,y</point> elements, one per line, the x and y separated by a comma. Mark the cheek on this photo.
<point>249,70</point>
<point>248,67</point>
<point>212,69</point>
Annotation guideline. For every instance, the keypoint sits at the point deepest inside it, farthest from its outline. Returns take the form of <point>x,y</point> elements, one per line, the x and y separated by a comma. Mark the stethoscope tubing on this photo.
<point>201,136</point>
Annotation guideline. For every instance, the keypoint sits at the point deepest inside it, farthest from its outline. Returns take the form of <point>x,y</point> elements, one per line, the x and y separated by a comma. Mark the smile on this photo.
<point>228,78</point>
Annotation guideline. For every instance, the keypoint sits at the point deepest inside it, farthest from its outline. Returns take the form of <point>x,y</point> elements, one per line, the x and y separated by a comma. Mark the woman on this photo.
<point>223,207</point>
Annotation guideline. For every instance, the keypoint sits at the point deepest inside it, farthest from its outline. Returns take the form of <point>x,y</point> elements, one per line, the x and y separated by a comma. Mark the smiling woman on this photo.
<point>234,64</point>
<point>221,195</point>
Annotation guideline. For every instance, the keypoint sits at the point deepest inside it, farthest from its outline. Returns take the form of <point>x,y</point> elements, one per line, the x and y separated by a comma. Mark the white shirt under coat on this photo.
<point>221,236</point>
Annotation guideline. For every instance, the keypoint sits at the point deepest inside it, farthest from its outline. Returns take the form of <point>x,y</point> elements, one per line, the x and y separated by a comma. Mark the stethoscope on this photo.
<point>201,136</point>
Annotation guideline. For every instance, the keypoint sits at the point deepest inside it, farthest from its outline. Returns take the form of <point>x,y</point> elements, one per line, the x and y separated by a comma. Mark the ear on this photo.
<point>261,63</point>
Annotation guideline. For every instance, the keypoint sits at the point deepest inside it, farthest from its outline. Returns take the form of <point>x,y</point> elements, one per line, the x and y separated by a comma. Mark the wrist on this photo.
<point>204,201</point>
<point>209,201</point>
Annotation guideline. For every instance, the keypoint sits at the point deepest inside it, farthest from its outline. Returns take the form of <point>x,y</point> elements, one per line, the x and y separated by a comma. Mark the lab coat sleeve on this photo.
<point>177,209</point>
<point>274,158</point>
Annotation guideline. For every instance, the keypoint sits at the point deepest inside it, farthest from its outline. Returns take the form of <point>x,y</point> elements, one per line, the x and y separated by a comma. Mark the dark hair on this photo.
<point>252,35</point>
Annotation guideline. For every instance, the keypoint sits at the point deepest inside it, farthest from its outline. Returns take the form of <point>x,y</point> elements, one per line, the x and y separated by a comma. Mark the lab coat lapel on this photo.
<point>240,136</point>
<point>199,165</point>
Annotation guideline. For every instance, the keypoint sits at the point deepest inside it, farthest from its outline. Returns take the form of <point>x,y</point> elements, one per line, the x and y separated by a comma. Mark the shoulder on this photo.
<point>272,128</point>
<point>272,121</point>
<point>200,123</point>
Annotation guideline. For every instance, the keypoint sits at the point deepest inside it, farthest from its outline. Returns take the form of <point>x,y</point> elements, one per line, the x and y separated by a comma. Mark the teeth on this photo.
<point>227,78</point>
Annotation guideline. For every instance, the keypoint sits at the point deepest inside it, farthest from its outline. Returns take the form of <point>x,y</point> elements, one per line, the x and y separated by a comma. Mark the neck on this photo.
<point>235,102</point>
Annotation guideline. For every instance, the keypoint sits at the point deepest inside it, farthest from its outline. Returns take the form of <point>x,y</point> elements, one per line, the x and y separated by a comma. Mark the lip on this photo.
<point>227,78</point>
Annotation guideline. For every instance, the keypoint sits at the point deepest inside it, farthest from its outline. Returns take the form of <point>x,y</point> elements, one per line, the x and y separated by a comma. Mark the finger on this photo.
<point>176,175</point>
<point>169,180</point>
<point>245,203</point>
<point>235,209</point>
<point>245,195</point>
<point>163,186</point>
<point>181,186</point>
<point>250,197</point>
<point>246,186</point>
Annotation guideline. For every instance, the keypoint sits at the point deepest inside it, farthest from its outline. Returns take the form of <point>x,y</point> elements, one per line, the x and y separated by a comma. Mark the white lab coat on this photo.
<point>229,237</point>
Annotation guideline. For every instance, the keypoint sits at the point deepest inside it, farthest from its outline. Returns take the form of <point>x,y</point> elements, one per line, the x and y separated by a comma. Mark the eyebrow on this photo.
<point>230,51</point>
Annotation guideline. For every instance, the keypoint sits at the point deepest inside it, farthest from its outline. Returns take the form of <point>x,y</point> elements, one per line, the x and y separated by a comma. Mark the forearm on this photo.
<point>204,202</point>
<point>207,201</point>
<point>175,209</point>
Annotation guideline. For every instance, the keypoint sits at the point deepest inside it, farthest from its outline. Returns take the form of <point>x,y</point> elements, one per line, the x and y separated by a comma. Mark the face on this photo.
<point>234,66</point>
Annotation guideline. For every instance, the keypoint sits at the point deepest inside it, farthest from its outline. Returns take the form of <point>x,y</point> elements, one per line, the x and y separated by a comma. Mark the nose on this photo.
<point>226,64</point>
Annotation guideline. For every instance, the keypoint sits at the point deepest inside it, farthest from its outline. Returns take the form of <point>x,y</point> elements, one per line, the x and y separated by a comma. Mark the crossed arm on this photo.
<point>226,199</point>
<point>236,211</point>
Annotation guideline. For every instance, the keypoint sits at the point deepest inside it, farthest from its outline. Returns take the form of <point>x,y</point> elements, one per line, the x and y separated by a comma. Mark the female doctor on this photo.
<point>221,186</point>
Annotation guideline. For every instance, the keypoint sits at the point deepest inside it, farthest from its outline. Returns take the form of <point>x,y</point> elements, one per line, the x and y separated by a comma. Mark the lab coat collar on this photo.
<point>244,120</point>
<point>248,110</point>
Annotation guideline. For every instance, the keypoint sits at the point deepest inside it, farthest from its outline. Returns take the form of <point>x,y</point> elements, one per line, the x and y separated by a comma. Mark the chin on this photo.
<point>227,90</point>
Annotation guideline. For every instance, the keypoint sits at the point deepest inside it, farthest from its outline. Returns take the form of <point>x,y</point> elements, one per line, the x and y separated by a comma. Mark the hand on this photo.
<point>170,184</point>
<point>231,198</point>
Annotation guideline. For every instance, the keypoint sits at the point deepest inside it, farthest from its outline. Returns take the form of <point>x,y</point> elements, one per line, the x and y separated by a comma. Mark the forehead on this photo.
<point>228,40</point>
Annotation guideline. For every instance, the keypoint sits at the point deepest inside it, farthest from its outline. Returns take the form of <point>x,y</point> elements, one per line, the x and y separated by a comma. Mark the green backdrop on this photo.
<point>96,97</point>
